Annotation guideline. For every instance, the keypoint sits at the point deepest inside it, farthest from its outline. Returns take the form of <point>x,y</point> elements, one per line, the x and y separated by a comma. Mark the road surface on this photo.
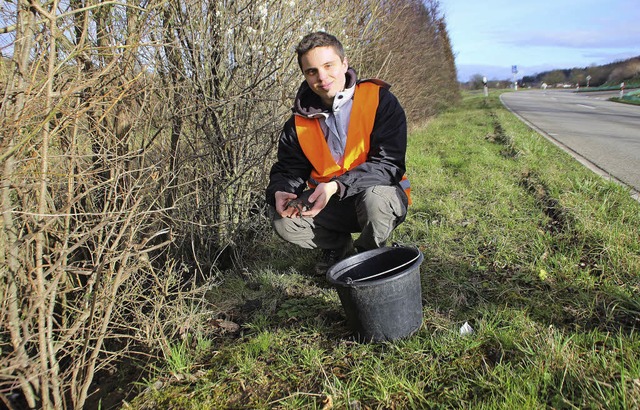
<point>603,135</point>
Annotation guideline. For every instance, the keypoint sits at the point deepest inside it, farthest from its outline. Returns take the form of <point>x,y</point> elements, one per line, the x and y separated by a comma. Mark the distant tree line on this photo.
<point>136,140</point>
<point>608,74</point>
<point>476,82</point>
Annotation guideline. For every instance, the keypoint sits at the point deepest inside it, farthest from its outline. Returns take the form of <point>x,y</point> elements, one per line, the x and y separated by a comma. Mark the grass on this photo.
<point>630,97</point>
<point>540,256</point>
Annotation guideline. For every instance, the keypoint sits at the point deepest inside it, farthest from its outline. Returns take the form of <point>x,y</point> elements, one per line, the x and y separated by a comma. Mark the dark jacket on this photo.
<point>385,164</point>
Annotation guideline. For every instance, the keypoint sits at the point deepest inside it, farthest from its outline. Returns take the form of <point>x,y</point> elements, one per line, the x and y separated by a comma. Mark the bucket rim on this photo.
<point>357,259</point>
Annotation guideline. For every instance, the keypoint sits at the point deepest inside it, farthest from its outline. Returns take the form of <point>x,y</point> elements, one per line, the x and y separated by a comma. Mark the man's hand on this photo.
<point>282,199</point>
<point>320,197</point>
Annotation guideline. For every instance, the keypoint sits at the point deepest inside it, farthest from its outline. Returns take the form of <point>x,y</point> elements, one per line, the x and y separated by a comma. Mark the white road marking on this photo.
<point>587,106</point>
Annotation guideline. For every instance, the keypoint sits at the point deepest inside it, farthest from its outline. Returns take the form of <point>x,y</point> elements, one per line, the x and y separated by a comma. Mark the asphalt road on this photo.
<point>602,135</point>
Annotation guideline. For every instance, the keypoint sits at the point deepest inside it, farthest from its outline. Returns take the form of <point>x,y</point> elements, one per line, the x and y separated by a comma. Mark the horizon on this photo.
<point>491,37</point>
<point>474,70</point>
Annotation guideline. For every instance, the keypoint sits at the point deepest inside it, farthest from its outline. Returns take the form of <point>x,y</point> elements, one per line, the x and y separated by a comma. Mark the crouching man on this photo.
<point>344,146</point>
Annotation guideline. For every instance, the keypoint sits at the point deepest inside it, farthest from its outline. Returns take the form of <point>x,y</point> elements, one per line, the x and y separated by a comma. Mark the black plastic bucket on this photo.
<point>380,292</point>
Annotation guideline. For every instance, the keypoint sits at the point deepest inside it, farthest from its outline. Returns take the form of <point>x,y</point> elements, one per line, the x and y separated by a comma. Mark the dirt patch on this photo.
<point>559,217</point>
<point>499,136</point>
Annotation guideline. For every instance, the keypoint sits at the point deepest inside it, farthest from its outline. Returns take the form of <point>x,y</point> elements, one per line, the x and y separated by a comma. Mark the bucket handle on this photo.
<point>349,280</point>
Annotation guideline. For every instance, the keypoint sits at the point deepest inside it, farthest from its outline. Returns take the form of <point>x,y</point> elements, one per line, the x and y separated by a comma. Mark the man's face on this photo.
<point>324,72</point>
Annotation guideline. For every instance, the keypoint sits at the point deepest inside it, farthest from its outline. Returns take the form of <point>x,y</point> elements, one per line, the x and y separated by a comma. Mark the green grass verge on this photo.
<point>537,253</point>
<point>631,97</point>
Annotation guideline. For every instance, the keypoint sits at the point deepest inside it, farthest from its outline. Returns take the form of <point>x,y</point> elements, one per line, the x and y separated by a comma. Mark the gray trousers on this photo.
<point>374,213</point>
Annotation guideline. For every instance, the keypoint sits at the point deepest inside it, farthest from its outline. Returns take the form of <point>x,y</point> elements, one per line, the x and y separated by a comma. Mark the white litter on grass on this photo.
<point>466,329</point>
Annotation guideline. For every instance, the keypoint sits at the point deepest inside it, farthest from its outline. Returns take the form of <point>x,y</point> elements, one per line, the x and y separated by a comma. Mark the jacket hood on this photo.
<point>309,104</point>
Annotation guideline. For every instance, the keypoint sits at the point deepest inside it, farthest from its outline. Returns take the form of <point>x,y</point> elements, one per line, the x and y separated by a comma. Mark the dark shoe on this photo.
<point>330,257</point>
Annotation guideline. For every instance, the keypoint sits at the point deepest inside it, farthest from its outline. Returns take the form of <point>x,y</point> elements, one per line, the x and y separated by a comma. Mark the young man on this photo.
<point>346,142</point>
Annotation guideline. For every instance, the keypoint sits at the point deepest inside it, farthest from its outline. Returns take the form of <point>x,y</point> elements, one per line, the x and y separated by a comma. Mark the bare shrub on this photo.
<point>228,68</point>
<point>79,214</point>
<point>406,43</point>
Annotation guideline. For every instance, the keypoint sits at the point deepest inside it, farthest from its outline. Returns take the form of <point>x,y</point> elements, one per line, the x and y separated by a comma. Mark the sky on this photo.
<point>490,36</point>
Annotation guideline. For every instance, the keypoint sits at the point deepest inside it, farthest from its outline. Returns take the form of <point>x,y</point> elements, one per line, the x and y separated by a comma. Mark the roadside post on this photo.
<point>485,86</point>
<point>621,89</point>
<point>588,79</point>
<point>514,70</point>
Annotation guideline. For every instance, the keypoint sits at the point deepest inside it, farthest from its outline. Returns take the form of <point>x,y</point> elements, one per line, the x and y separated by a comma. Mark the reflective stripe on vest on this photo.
<point>316,149</point>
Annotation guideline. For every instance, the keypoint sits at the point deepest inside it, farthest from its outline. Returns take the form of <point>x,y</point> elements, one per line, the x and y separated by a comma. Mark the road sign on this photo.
<point>514,69</point>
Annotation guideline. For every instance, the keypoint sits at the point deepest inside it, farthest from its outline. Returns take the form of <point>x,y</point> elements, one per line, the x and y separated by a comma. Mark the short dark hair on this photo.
<point>318,39</point>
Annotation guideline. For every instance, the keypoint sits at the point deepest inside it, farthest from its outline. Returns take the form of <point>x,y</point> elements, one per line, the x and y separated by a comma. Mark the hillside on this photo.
<point>608,74</point>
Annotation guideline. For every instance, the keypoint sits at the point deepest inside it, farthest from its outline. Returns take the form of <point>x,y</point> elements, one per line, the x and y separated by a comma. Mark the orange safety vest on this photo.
<point>315,147</point>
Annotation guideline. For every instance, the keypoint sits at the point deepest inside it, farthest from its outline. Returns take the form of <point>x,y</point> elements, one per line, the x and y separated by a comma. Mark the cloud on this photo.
<point>606,57</point>
<point>613,37</point>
